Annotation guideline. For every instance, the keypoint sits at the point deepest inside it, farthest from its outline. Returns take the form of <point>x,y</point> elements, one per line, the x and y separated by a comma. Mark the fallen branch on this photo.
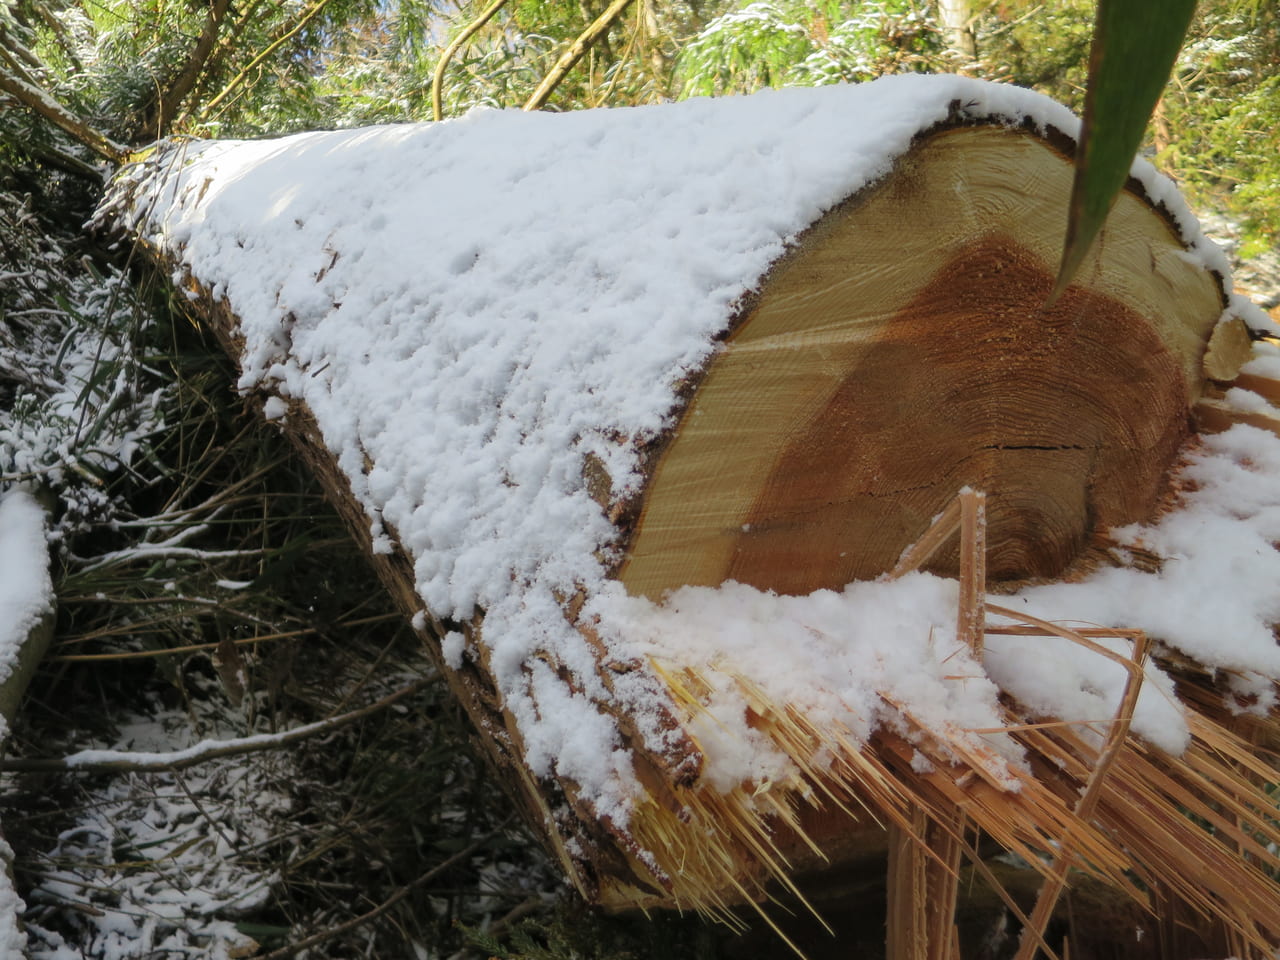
<point>164,549</point>
<point>38,101</point>
<point>66,162</point>
<point>126,761</point>
<point>161,551</point>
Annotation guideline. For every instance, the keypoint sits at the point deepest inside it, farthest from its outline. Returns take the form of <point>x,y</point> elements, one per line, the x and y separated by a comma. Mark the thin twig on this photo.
<point>1075,636</point>
<point>194,647</point>
<point>1117,632</point>
<point>972,615</point>
<point>1088,802</point>
<point>124,761</point>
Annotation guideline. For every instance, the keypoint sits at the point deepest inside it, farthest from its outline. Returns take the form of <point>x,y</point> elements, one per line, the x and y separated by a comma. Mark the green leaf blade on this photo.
<point>1135,44</point>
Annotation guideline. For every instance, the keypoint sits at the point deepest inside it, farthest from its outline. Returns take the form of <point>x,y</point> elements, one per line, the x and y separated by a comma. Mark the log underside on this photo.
<point>870,379</point>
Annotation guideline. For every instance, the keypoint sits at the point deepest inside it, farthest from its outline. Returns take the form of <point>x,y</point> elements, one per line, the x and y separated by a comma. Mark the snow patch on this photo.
<point>275,408</point>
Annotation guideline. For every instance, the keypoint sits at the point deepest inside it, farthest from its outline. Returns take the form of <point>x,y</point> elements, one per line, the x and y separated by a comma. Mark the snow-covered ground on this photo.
<point>159,864</point>
<point>185,839</point>
<point>74,410</point>
<point>209,861</point>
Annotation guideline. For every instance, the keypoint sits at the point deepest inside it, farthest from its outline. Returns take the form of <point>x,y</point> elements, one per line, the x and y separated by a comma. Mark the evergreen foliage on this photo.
<point>80,399</point>
<point>777,43</point>
<point>1218,131</point>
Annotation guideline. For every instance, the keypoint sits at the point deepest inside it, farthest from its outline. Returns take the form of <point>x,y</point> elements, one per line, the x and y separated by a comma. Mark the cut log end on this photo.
<point>868,382</point>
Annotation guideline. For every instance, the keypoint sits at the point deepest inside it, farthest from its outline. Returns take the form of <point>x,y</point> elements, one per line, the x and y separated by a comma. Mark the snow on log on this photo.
<point>635,408</point>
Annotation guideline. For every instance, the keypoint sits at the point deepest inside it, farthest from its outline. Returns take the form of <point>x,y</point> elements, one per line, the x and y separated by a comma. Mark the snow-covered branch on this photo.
<point>34,98</point>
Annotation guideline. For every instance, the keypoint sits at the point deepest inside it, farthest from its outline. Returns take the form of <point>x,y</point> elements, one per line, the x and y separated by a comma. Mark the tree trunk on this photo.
<point>898,352</point>
<point>957,23</point>
<point>159,114</point>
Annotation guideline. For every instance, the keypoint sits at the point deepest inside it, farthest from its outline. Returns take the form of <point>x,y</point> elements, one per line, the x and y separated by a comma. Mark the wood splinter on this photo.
<point>924,863</point>
<point>967,513</point>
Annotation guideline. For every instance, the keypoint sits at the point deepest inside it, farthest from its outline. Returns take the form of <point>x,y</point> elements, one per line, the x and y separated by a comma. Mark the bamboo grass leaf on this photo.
<point>1135,43</point>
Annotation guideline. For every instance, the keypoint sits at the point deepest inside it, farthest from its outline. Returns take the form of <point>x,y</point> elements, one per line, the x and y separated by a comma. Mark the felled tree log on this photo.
<point>754,346</point>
